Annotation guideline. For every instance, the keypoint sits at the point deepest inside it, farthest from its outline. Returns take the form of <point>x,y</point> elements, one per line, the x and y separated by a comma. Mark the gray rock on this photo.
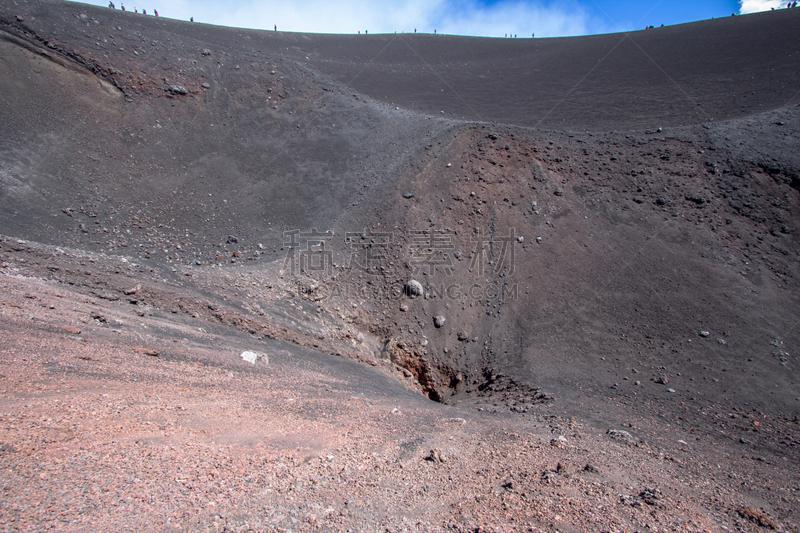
<point>704,333</point>
<point>439,320</point>
<point>206,52</point>
<point>177,89</point>
<point>621,435</point>
<point>408,194</point>
<point>559,192</point>
<point>205,85</point>
<point>413,288</point>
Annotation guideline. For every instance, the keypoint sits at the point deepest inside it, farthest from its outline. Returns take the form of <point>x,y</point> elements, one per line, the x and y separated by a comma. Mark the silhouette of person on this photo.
<point>111,5</point>
<point>415,30</point>
<point>366,32</point>
<point>434,32</point>
<point>191,19</point>
<point>276,27</point>
<point>135,9</point>
<point>144,12</point>
<point>155,11</point>
<point>122,6</point>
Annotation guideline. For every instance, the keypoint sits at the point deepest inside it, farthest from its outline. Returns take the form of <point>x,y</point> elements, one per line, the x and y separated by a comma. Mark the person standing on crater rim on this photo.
<point>122,7</point>
<point>155,11</point>
<point>111,5</point>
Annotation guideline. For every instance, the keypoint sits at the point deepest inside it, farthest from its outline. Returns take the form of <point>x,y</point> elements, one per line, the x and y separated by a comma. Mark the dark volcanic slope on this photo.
<point>711,70</point>
<point>198,145</point>
<point>704,71</point>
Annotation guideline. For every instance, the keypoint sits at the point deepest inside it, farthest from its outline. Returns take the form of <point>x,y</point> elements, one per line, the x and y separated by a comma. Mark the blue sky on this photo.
<point>488,18</point>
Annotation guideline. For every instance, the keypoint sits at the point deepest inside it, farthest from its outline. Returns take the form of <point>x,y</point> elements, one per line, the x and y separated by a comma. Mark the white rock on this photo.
<point>255,357</point>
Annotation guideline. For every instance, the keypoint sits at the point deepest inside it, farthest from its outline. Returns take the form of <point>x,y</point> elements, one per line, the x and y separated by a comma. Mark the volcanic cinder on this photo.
<point>484,284</point>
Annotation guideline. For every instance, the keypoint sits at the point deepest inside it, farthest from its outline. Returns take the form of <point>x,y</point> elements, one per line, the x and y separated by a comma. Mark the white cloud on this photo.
<point>754,6</point>
<point>513,17</point>
<point>471,17</point>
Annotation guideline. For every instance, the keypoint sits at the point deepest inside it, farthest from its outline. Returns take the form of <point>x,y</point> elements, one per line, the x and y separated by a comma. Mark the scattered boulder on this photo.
<point>439,321</point>
<point>704,334</point>
<point>757,517</point>
<point>255,357</point>
<point>413,288</point>
<point>408,194</point>
<point>621,435</point>
<point>177,89</point>
<point>695,199</point>
<point>145,351</point>
<point>436,456</point>
<point>132,290</point>
<point>559,192</point>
